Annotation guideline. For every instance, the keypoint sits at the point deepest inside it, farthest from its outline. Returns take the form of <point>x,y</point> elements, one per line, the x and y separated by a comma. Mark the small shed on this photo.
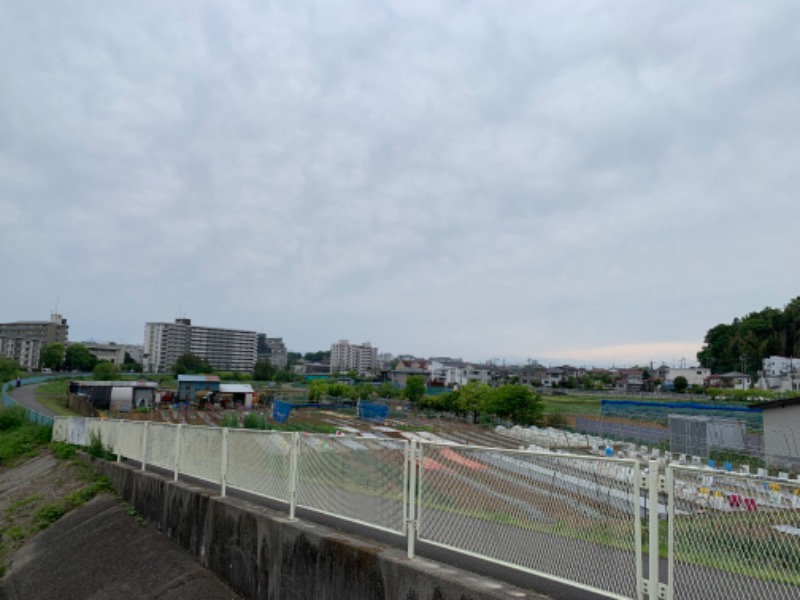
<point>237,393</point>
<point>121,396</point>
<point>699,434</point>
<point>781,432</point>
<point>192,388</point>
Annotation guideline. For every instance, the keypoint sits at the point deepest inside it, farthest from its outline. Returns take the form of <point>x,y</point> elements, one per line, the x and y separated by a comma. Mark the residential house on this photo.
<point>407,368</point>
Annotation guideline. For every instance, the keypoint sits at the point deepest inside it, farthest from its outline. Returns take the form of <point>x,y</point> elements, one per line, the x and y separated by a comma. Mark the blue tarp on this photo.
<point>372,411</point>
<point>281,410</point>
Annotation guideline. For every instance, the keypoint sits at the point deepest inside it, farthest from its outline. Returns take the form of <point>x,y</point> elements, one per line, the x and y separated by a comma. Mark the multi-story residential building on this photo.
<point>272,349</point>
<point>23,341</point>
<point>223,349</point>
<point>361,358</point>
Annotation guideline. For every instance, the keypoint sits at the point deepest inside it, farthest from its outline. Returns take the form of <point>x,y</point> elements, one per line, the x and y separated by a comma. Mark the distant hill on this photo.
<point>744,343</point>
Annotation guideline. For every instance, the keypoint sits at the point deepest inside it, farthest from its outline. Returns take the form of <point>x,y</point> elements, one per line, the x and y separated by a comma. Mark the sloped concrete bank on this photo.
<point>263,554</point>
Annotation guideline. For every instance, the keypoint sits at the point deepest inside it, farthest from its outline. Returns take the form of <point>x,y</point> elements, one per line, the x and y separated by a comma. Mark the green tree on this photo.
<point>518,403</point>
<point>52,356</point>
<point>190,364</point>
<point>474,398</point>
<point>680,383</point>
<point>77,357</point>
<point>319,356</point>
<point>286,376</point>
<point>105,371</point>
<point>9,369</point>
<point>263,370</point>
<point>292,358</point>
<point>317,390</point>
<point>388,390</point>
<point>130,365</point>
<point>364,391</point>
<point>415,388</point>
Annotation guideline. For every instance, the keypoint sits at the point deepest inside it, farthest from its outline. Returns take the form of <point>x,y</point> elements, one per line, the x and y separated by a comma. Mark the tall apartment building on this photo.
<point>274,350</point>
<point>23,341</point>
<point>361,358</point>
<point>223,349</point>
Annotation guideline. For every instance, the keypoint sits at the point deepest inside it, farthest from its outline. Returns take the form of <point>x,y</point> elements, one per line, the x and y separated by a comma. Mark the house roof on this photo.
<point>236,388</point>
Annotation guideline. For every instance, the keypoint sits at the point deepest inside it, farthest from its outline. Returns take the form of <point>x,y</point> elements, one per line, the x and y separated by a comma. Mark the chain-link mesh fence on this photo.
<point>359,479</point>
<point>260,462</point>
<point>130,441</point>
<point>565,517</point>
<point>161,438</point>
<point>732,535</point>
<point>200,453</point>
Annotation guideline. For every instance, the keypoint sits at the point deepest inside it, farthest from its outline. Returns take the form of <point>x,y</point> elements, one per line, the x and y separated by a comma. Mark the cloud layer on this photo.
<point>466,178</point>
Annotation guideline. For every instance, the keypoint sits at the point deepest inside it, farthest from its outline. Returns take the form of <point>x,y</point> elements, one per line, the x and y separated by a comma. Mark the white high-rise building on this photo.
<point>223,349</point>
<point>361,358</point>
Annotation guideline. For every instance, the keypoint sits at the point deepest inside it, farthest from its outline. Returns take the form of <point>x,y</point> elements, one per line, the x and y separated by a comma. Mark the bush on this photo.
<point>23,440</point>
<point>255,421</point>
<point>62,450</point>
<point>13,417</point>
<point>97,449</point>
<point>230,420</point>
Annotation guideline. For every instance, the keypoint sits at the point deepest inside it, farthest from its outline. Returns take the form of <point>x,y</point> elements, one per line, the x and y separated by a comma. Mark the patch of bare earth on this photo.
<point>27,488</point>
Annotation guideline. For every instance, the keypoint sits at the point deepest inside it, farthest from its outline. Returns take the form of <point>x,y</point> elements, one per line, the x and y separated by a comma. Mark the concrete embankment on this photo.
<point>262,554</point>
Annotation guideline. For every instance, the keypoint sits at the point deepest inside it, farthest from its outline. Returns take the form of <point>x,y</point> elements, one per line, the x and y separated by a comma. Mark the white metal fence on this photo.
<point>603,524</point>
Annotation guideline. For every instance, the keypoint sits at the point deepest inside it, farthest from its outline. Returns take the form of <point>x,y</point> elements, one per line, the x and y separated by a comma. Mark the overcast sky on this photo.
<point>592,182</point>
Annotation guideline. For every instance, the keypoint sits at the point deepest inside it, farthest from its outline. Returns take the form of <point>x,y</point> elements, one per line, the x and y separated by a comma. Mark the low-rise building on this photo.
<point>782,432</point>
<point>409,368</point>
<point>733,380</point>
<point>693,375</point>
<point>779,374</point>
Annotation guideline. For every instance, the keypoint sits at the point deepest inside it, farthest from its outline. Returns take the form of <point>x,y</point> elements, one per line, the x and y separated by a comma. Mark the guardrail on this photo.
<point>588,521</point>
<point>33,415</point>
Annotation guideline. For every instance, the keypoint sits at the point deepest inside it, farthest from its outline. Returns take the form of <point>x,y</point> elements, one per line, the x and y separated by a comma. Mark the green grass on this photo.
<point>53,395</point>
<point>25,517</point>
<point>50,513</point>
<point>23,441</point>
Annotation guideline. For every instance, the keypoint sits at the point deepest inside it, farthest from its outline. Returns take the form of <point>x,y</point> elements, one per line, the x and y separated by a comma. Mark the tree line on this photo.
<point>743,344</point>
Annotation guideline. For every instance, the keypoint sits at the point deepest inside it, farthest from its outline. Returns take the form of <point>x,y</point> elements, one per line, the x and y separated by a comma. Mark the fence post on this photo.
<point>406,467</point>
<point>177,451</point>
<point>293,474</point>
<point>652,513</point>
<point>144,443</point>
<point>411,530</point>
<point>224,463</point>
<point>670,485</point>
<point>119,440</point>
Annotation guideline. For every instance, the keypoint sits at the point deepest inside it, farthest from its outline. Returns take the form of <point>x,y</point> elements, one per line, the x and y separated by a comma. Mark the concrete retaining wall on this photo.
<point>262,554</point>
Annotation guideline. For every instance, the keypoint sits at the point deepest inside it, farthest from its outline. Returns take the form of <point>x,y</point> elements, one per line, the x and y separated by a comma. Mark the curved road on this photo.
<point>26,396</point>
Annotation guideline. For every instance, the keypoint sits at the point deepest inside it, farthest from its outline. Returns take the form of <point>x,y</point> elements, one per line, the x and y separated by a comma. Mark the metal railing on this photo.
<point>33,415</point>
<point>608,525</point>
<point>734,535</point>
